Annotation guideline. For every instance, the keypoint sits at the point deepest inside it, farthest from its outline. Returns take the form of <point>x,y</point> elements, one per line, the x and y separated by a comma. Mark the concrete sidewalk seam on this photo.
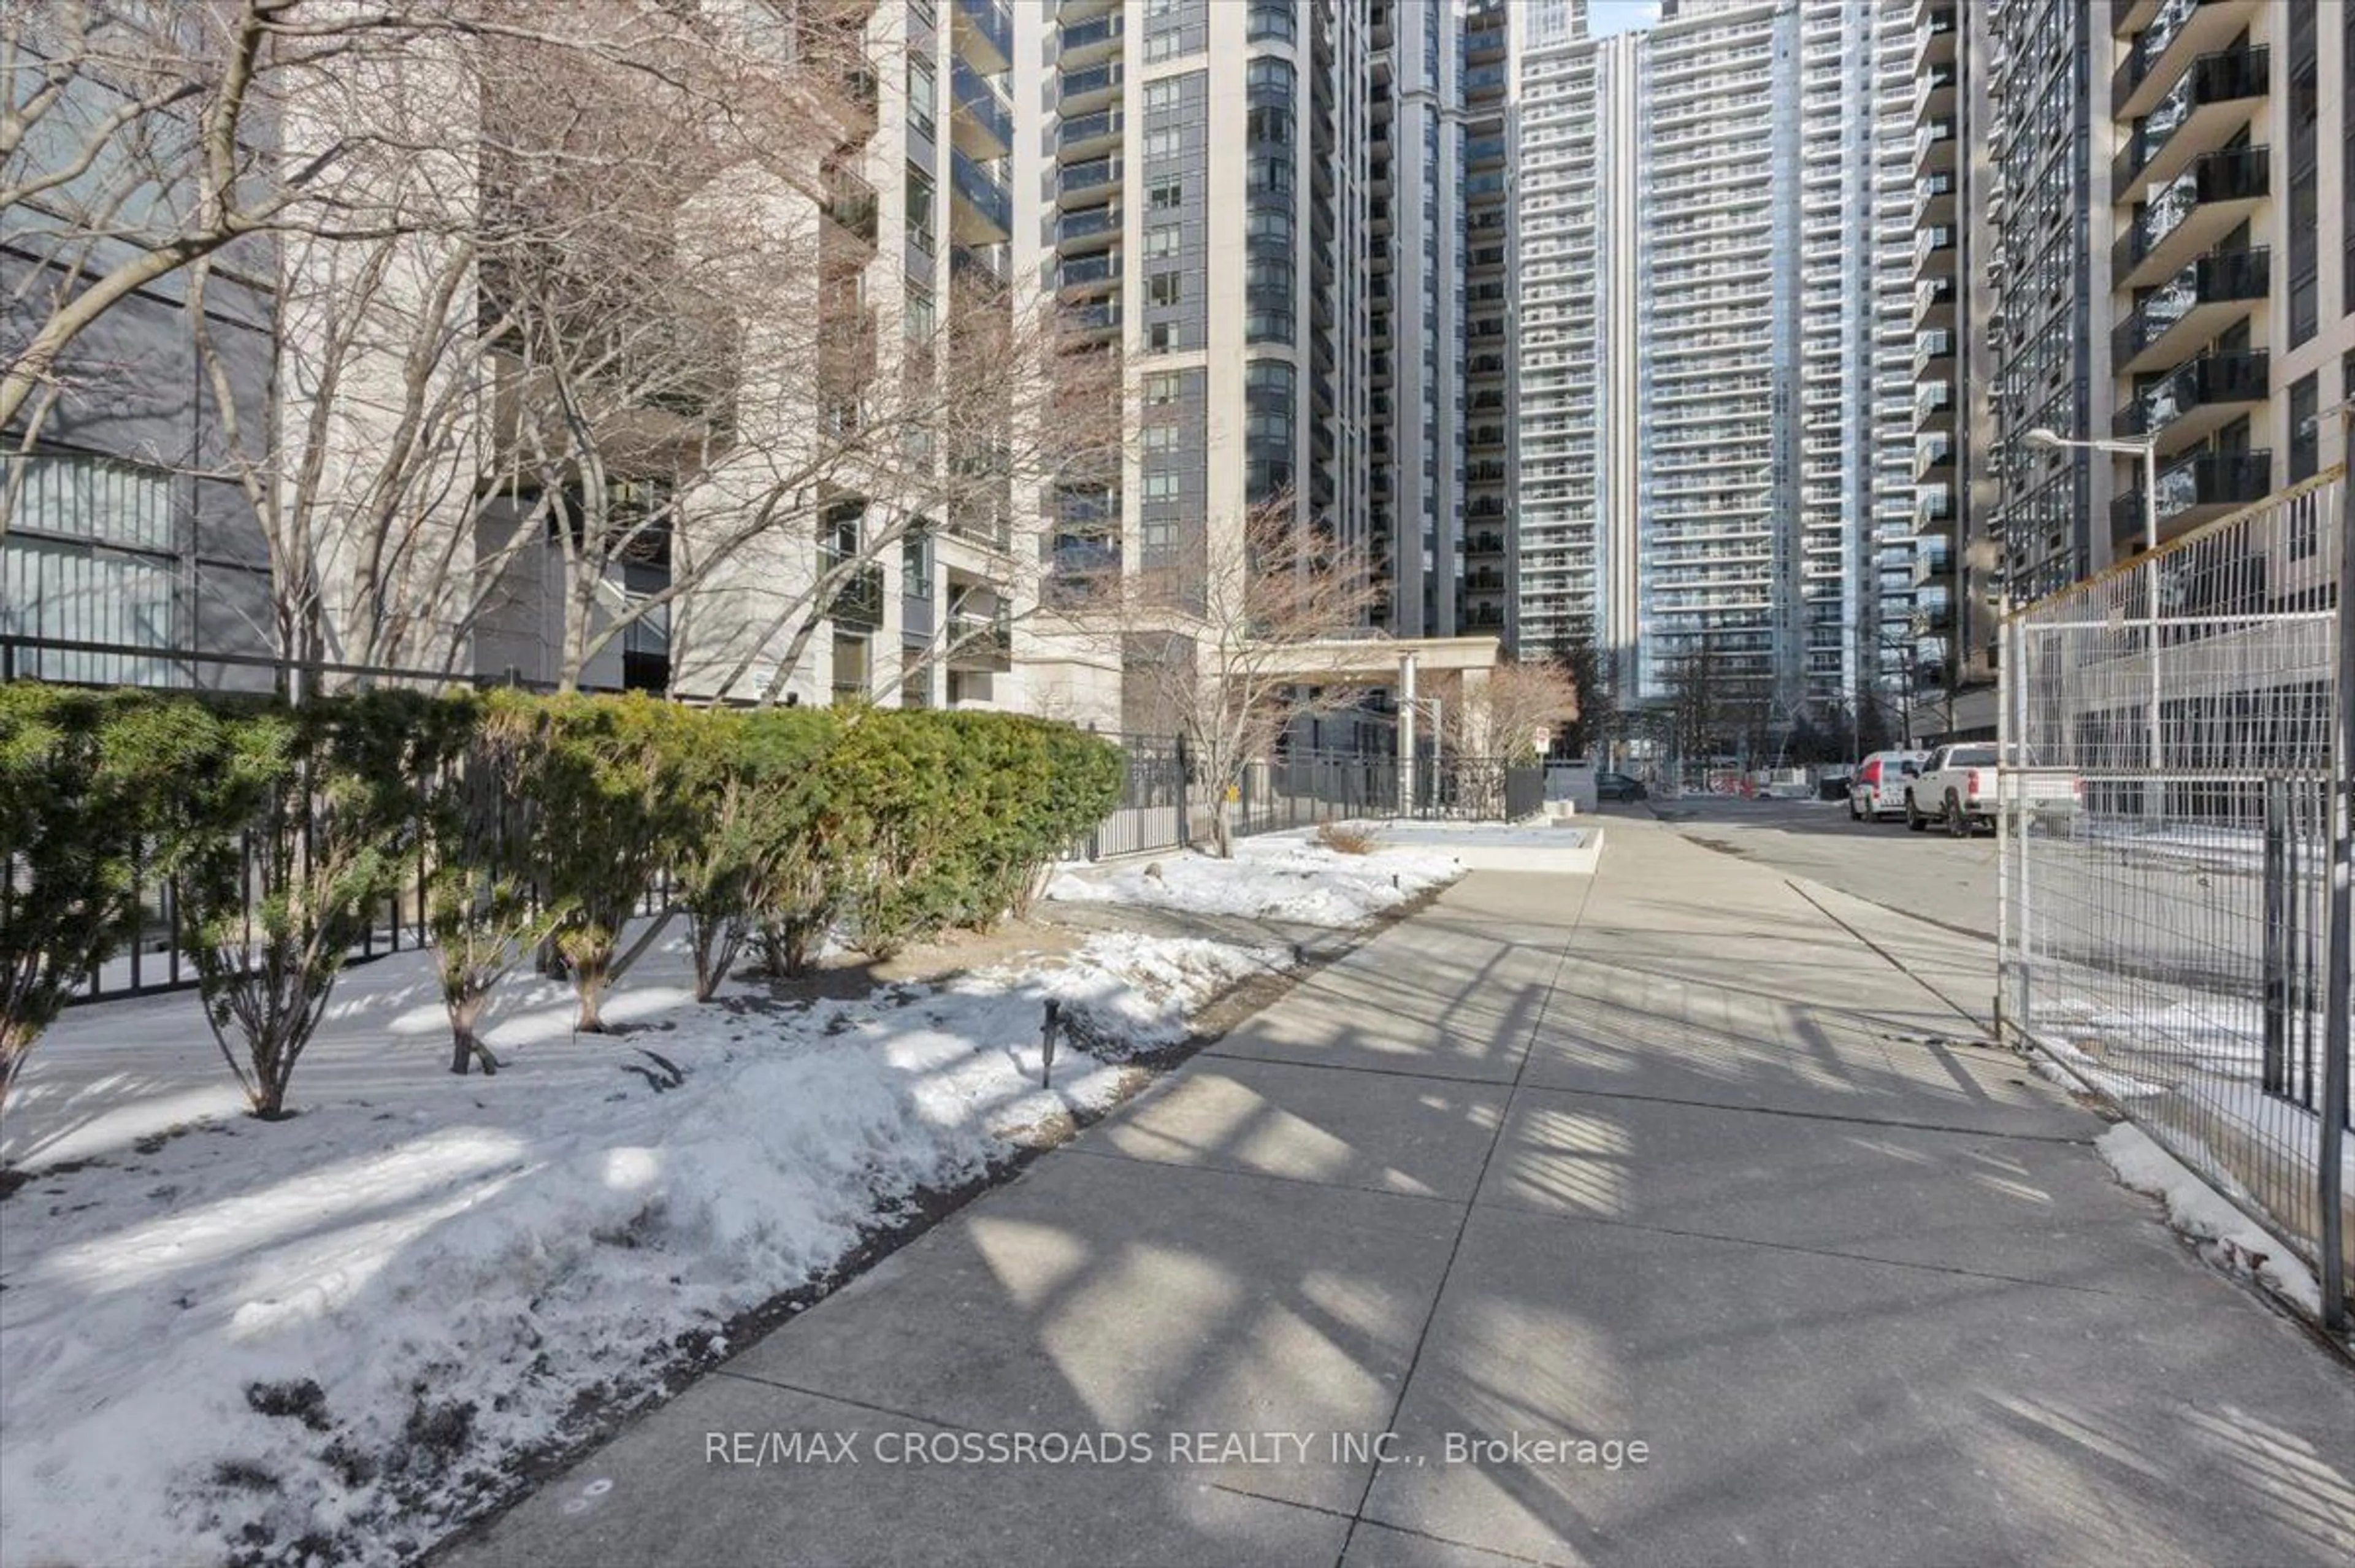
<point>1499,1554</point>
<point>1108,1153</point>
<point>1531,1211</point>
<point>1479,1181</point>
<point>1960,1011</point>
<point>895,1413</point>
<point>2063,1139</point>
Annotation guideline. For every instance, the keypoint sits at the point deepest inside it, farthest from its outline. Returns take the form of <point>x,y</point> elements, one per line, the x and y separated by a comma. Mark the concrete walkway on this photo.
<point>1665,1156</point>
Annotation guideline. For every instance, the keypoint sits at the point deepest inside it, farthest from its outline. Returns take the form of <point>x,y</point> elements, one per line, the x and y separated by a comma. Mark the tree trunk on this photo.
<point>590,974</point>
<point>1222,827</point>
<point>465,1046</point>
<point>16,1038</point>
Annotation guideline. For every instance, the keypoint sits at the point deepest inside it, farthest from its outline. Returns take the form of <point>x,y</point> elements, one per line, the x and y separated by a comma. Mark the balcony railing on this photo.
<point>984,190</point>
<point>859,601</point>
<point>2220,78</point>
<point>1080,83</point>
<point>2218,278</point>
<point>1094,175</point>
<point>1087,222</point>
<point>2206,382</point>
<point>978,96</point>
<point>2237,174</point>
<point>993,25</point>
<point>980,262</point>
<point>1078,36</point>
<point>850,202</point>
<point>2209,481</point>
<point>1081,128</point>
<point>1101,267</point>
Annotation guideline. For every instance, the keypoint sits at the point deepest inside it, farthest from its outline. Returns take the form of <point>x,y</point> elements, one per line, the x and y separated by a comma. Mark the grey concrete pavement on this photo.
<point>1663,1157</point>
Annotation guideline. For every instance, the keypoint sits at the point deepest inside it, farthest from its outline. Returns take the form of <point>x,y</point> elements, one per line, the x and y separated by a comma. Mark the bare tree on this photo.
<point>1214,642</point>
<point>1512,710</point>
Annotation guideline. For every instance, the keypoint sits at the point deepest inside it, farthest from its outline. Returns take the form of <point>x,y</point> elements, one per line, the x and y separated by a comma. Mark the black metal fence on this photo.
<point>2177,936</point>
<point>1167,804</point>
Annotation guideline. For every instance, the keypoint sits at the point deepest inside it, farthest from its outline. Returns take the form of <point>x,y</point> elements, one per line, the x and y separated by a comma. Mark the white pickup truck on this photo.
<point>1958,788</point>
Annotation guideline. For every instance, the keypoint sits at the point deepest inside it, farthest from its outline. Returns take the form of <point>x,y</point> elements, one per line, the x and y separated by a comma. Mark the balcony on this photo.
<point>1084,43</point>
<point>1077,182</point>
<point>1934,96</point>
<point>1089,274</point>
<point>2181,31</point>
<point>1934,459</point>
<point>1077,91</point>
<point>1096,319</point>
<point>982,210</point>
<point>1933,354</point>
<point>2128,17</point>
<point>983,124</point>
<point>1089,227</point>
<point>1935,38</point>
<point>2194,307</point>
<point>980,640</point>
<point>1087,134</point>
<point>2194,491</point>
<point>850,202</point>
<point>985,34</point>
<point>1933,199</point>
<point>1934,250</point>
<point>2216,99</point>
<point>1933,406</point>
<point>859,601</point>
<point>978,263</point>
<point>2190,214</point>
<point>2192,401</point>
<point>1934,147</point>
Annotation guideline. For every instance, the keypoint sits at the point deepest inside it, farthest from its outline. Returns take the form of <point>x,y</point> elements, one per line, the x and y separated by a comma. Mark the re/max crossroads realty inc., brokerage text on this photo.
<point>773,1449</point>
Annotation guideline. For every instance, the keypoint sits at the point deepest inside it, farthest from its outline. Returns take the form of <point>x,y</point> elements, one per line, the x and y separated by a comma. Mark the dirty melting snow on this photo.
<point>330,1336</point>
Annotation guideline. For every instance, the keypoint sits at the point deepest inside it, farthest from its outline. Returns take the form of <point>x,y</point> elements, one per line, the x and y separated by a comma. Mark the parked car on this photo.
<point>1957,789</point>
<point>1618,786</point>
<point>1876,788</point>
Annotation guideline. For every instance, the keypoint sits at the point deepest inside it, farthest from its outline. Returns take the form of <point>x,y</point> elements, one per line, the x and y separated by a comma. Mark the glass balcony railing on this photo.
<point>1104,29</point>
<point>2207,480</point>
<point>1088,221</point>
<point>984,190</point>
<point>993,22</point>
<point>2238,174</point>
<point>1080,83</point>
<point>1101,267</point>
<point>1092,175</point>
<point>2205,382</point>
<point>1081,128</point>
<point>2220,78</point>
<point>978,96</point>
<point>2219,277</point>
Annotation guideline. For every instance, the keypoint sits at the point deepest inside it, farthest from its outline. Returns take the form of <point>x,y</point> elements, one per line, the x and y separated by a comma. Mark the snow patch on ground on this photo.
<point>2226,1236</point>
<point>328,1337</point>
<point>1281,876</point>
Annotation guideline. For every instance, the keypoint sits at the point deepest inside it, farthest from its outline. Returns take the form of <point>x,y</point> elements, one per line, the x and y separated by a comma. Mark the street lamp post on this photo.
<point>2146,448</point>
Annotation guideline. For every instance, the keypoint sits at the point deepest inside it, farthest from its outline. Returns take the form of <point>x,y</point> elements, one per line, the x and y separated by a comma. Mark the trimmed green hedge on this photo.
<point>532,819</point>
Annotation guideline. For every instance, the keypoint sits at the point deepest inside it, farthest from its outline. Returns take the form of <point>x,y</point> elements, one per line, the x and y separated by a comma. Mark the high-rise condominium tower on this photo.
<point>1711,446</point>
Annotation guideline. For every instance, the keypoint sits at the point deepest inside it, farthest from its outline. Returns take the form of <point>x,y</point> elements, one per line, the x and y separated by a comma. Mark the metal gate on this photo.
<point>2178,939</point>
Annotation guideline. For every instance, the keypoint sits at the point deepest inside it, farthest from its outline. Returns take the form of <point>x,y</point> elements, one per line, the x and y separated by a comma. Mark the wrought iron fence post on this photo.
<point>2280,935</point>
<point>1185,795</point>
<point>2330,1165</point>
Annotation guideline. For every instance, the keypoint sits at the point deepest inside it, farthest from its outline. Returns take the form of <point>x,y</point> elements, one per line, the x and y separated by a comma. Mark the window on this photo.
<point>919,209</point>
<point>1161,336</point>
<point>1164,46</point>
<point>1161,438</point>
<point>2305,428</point>
<point>916,560</point>
<point>1165,288</point>
<point>921,317</point>
<point>1162,94</point>
<point>1161,486</point>
<point>1168,195</point>
<point>1162,144</point>
<point>1161,387</point>
<point>1161,239</point>
<point>919,98</point>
